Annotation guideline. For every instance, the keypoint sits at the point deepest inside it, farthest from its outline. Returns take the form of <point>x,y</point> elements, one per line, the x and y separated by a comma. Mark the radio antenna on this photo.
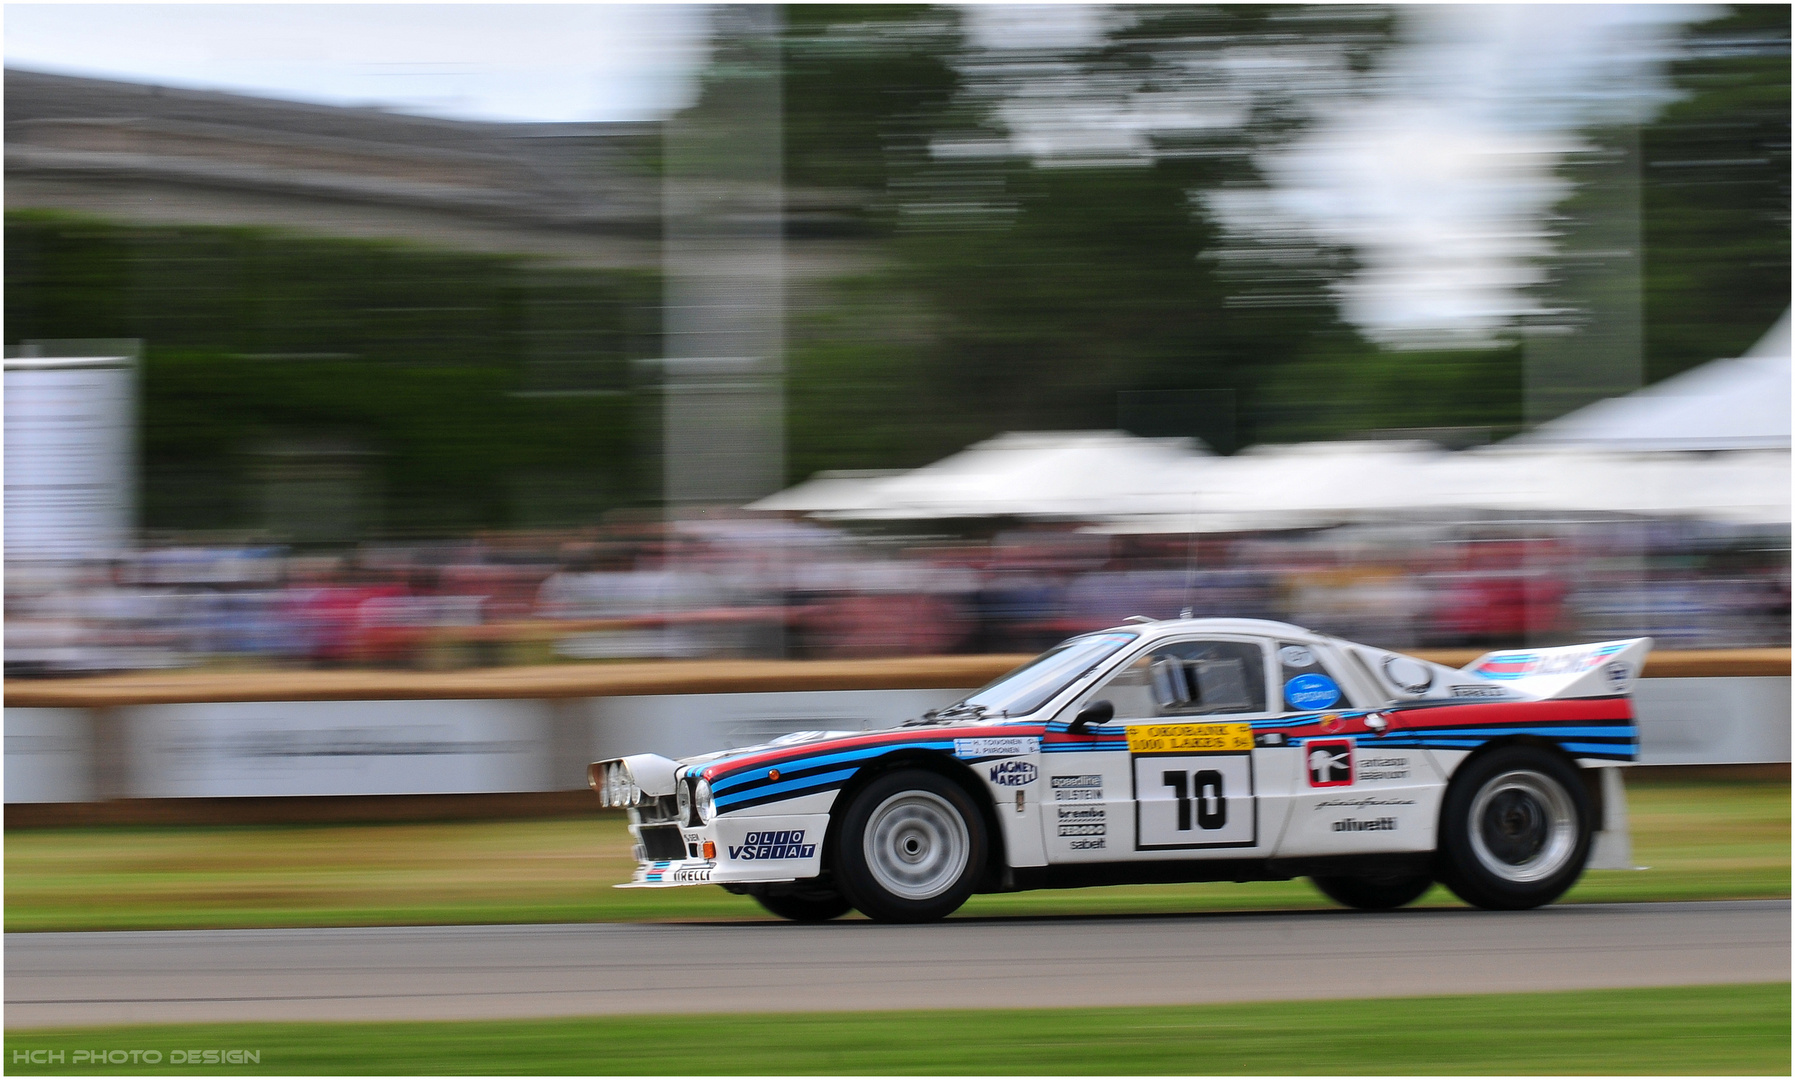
<point>1190,556</point>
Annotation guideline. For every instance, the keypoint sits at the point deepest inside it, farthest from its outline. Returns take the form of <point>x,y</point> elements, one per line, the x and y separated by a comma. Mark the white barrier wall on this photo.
<point>455,747</point>
<point>337,748</point>
<point>702,723</point>
<point>1712,721</point>
<point>49,756</point>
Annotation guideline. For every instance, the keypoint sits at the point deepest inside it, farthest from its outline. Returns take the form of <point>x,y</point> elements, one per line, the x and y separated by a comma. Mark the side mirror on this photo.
<point>1097,712</point>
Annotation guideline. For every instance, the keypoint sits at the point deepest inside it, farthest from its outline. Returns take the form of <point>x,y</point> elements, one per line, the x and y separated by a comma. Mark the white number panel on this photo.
<point>1194,801</point>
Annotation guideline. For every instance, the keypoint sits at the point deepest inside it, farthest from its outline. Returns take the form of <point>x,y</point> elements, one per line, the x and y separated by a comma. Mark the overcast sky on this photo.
<point>1438,181</point>
<point>526,62</point>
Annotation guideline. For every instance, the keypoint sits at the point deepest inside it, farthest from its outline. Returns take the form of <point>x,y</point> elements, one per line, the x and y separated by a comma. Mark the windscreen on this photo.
<point>1034,683</point>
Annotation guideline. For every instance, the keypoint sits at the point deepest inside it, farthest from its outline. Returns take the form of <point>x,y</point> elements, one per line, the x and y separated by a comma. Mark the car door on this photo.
<point>1172,775</point>
<point>1349,791</point>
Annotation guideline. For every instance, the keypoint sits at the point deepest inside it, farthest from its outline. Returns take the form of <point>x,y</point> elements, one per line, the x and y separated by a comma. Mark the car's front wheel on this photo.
<point>1374,892</point>
<point>910,848</point>
<point>1515,829</point>
<point>814,905</point>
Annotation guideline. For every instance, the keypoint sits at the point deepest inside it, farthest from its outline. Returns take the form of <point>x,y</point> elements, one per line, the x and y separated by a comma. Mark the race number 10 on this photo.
<point>1196,801</point>
<point>1206,791</point>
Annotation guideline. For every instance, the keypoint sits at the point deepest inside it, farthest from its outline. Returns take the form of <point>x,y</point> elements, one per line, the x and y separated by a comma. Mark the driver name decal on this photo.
<point>1000,746</point>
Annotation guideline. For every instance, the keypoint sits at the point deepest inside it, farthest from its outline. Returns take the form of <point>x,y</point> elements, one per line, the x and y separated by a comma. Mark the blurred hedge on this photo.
<point>470,390</point>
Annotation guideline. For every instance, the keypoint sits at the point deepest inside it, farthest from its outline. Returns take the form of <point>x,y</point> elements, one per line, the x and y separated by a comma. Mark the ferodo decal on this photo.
<point>764,846</point>
<point>1190,738</point>
<point>1330,762</point>
<point>998,746</point>
<point>1013,773</point>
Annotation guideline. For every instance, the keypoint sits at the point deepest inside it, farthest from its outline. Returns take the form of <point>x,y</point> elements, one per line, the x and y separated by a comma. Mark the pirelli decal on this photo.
<point>1190,738</point>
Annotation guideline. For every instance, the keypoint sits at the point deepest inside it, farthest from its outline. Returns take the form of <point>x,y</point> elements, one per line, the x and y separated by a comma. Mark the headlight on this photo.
<point>705,802</point>
<point>682,792</point>
<point>615,785</point>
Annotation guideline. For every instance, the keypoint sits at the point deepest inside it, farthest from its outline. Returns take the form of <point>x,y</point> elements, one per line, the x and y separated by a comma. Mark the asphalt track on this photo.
<point>465,972</point>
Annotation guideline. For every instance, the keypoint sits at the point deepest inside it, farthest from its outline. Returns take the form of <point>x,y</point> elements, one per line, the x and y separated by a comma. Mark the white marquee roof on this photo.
<point>1608,458</point>
<point>1055,474</point>
<point>1737,404</point>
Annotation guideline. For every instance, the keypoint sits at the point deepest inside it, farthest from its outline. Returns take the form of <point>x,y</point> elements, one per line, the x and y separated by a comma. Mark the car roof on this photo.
<point>1159,628</point>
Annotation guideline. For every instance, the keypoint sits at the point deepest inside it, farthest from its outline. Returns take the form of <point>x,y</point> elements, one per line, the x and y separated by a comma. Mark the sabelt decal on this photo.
<point>765,846</point>
<point>1190,738</point>
<point>1001,746</point>
<point>1013,773</point>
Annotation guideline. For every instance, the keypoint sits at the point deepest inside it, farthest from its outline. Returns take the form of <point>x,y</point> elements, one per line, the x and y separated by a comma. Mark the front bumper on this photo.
<point>728,851</point>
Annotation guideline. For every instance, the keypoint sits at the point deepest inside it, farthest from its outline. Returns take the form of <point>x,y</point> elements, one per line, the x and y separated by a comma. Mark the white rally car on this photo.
<point>1164,751</point>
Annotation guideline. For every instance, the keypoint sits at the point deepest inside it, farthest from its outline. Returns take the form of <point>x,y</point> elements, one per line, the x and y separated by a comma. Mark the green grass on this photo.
<point>1702,839</point>
<point>1692,1030</point>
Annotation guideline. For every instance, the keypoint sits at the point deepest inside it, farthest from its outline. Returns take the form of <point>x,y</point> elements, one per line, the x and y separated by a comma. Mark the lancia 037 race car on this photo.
<point>1169,751</point>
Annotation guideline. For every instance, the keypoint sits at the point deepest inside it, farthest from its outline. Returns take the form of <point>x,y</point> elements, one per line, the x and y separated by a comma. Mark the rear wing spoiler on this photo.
<point>1603,669</point>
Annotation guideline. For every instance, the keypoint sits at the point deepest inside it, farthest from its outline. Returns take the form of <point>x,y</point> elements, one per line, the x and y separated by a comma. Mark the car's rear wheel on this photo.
<point>910,848</point>
<point>811,905</point>
<point>1374,892</point>
<point>1514,829</point>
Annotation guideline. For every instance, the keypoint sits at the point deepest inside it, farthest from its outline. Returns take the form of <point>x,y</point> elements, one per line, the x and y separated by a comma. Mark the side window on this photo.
<point>1190,678</point>
<point>1306,684</point>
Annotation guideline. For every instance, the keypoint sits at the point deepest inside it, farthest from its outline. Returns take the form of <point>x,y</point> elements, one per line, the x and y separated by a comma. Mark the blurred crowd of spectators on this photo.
<point>776,588</point>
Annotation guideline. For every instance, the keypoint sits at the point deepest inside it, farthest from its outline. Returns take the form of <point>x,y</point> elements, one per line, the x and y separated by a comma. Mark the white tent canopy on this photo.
<point>1737,404</point>
<point>1057,474</point>
<point>1322,484</point>
<point>1614,457</point>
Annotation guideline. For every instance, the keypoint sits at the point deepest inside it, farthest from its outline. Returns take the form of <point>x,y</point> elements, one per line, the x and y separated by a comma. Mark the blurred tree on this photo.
<point>1716,192</point>
<point>1672,248</point>
<point>865,90</point>
<point>1053,247</point>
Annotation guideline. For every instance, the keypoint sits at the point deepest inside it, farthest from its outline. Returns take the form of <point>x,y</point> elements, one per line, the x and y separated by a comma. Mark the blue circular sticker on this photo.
<point>1311,692</point>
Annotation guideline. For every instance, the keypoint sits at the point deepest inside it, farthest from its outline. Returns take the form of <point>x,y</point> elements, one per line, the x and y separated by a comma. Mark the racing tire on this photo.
<point>910,848</point>
<point>812,906</point>
<point>1374,892</point>
<point>1514,829</point>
